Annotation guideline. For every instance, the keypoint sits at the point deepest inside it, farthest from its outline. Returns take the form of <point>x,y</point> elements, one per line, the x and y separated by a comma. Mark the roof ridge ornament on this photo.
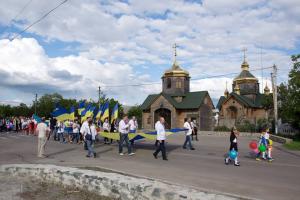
<point>175,64</point>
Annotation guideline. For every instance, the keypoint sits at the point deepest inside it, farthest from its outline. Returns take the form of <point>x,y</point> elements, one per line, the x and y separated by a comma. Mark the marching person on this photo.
<point>89,134</point>
<point>233,146</point>
<point>42,131</point>
<point>53,122</point>
<point>106,128</point>
<point>188,132</point>
<point>76,134</point>
<point>161,137</point>
<point>124,130</point>
<point>195,129</point>
<point>133,125</point>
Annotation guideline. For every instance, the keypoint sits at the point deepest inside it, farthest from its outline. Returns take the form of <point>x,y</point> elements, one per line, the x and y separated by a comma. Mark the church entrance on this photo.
<point>163,112</point>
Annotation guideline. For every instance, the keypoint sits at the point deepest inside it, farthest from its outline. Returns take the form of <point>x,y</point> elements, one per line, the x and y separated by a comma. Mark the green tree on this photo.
<point>137,112</point>
<point>267,103</point>
<point>289,96</point>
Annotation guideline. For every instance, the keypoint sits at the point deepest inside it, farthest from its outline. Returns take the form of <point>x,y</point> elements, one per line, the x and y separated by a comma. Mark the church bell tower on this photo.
<point>175,81</point>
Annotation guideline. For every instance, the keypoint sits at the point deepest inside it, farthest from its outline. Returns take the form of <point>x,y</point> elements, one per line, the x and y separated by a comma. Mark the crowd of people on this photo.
<point>72,131</point>
<point>18,124</point>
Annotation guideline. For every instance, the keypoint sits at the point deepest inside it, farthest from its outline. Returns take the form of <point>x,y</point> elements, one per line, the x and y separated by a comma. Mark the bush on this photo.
<point>221,128</point>
<point>246,126</point>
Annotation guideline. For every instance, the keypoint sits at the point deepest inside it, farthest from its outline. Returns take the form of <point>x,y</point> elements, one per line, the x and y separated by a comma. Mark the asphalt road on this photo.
<point>203,168</point>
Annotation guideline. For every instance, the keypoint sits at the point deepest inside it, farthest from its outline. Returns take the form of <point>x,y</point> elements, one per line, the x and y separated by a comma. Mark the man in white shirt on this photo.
<point>161,137</point>
<point>124,130</point>
<point>188,134</point>
<point>42,131</point>
<point>89,134</point>
<point>133,125</point>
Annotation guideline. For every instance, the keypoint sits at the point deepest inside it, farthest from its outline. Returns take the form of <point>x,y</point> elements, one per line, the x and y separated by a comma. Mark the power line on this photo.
<point>39,20</point>
<point>193,79</point>
<point>17,15</point>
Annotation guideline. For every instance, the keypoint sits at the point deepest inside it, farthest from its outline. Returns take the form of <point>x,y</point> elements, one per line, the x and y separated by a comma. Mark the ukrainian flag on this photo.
<point>88,112</point>
<point>81,107</point>
<point>99,113</point>
<point>72,113</point>
<point>105,112</point>
<point>60,113</point>
<point>115,113</point>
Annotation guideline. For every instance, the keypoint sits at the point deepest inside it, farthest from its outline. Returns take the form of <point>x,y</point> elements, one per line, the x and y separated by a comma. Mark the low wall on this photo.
<point>280,139</point>
<point>227,133</point>
<point>112,185</point>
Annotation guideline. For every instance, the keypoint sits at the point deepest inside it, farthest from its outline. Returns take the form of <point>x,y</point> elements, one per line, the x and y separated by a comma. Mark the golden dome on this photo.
<point>176,71</point>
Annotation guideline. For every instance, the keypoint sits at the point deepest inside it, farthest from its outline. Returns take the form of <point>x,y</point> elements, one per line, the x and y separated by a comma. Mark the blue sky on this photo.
<point>89,43</point>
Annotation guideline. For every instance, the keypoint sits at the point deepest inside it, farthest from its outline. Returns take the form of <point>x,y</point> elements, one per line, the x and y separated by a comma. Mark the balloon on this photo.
<point>233,154</point>
<point>270,142</point>
<point>262,148</point>
<point>253,145</point>
<point>256,151</point>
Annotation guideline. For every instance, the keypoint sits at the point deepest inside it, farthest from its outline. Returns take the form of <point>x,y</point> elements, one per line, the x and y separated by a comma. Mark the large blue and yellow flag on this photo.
<point>99,113</point>
<point>72,113</point>
<point>105,111</point>
<point>88,112</point>
<point>81,107</point>
<point>114,113</point>
<point>60,113</point>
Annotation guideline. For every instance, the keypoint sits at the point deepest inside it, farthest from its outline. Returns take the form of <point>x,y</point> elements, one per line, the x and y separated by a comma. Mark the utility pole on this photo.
<point>35,103</point>
<point>274,86</point>
<point>99,93</point>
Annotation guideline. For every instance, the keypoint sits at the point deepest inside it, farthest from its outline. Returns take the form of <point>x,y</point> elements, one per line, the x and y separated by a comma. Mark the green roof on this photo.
<point>256,103</point>
<point>148,101</point>
<point>245,74</point>
<point>191,100</point>
<point>220,102</point>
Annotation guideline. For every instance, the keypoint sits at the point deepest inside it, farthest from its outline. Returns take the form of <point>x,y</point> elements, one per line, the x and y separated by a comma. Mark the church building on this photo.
<point>244,102</point>
<point>176,103</point>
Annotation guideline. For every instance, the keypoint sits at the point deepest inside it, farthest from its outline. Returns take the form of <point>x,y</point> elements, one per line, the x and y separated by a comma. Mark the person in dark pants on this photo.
<point>53,127</point>
<point>124,130</point>
<point>233,146</point>
<point>188,132</point>
<point>195,130</point>
<point>161,137</point>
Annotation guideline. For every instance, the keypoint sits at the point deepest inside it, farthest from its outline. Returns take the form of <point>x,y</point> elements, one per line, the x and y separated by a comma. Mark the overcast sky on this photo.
<point>87,43</point>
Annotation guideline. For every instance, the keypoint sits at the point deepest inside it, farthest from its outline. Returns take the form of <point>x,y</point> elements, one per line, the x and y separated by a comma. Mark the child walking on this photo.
<point>233,146</point>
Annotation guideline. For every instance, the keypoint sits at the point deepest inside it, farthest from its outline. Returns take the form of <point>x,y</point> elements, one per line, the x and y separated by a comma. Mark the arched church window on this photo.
<point>169,83</point>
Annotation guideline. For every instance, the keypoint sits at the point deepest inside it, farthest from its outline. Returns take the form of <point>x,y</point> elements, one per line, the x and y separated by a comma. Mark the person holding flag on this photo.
<point>133,125</point>
<point>124,130</point>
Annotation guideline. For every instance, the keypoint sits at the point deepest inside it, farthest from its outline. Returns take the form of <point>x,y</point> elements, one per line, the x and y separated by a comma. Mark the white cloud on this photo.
<point>120,42</point>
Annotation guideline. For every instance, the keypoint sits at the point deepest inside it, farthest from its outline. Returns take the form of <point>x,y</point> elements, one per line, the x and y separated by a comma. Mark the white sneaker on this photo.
<point>131,154</point>
<point>121,154</point>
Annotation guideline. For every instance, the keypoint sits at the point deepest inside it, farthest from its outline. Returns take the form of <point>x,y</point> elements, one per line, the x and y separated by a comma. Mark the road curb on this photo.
<point>110,184</point>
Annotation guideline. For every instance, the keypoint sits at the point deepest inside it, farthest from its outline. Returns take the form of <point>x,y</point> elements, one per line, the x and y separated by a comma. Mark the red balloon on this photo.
<point>253,145</point>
